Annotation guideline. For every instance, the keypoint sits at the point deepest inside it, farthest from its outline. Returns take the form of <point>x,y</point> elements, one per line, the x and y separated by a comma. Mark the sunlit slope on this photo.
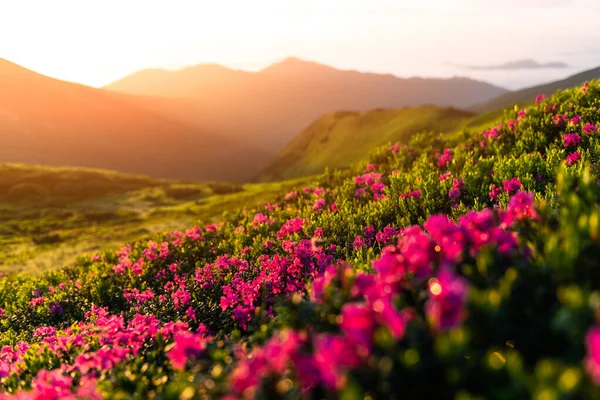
<point>529,94</point>
<point>342,138</point>
<point>49,216</point>
<point>52,122</point>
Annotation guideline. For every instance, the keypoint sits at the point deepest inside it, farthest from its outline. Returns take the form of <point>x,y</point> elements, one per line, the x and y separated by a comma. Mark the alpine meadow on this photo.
<point>298,230</point>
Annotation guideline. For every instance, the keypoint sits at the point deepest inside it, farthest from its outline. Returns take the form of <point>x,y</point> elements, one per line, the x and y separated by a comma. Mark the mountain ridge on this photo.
<point>529,94</point>
<point>273,104</point>
<point>53,122</point>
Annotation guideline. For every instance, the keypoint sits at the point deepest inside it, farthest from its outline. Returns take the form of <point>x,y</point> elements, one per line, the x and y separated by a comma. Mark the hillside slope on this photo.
<point>50,216</point>
<point>339,139</point>
<point>51,122</point>
<point>270,106</point>
<point>529,94</point>
<point>449,271</point>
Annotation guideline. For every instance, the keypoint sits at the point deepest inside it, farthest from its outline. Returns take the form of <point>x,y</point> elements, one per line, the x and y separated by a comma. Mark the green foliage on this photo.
<point>339,139</point>
<point>269,284</point>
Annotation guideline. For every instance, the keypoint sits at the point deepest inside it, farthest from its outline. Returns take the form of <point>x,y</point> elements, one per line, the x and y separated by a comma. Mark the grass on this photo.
<point>340,139</point>
<point>51,216</point>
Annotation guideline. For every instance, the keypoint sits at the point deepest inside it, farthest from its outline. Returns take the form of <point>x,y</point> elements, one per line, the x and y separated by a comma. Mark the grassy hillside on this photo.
<point>51,216</point>
<point>528,95</point>
<point>52,122</point>
<point>269,107</point>
<point>453,270</point>
<point>342,138</point>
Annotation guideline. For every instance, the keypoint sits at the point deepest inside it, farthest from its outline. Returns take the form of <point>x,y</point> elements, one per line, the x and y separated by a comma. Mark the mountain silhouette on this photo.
<point>52,122</point>
<point>529,94</point>
<point>269,107</point>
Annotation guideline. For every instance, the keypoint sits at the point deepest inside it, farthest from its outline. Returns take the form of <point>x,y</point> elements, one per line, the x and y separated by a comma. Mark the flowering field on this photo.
<point>433,270</point>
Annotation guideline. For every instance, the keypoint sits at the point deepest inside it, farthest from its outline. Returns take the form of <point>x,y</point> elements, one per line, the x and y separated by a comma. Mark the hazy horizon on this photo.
<point>98,43</point>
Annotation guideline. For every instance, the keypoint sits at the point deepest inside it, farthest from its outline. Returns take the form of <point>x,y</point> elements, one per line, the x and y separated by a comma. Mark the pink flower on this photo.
<point>592,359</point>
<point>520,207</point>
<point>573,158</point>
<point>445,176</point>
<point>319,204</point>
<point>495,192</point>
<point>585,86</point>
<point>291,195</point>
<point>395,148</point>
<point>447,235</point>
<point>358,243</point>
<point>290,227</point>
<point>457,186</point>
<point>358,325</point>
<point>589,128</point>
<point>575,120</point>
<point>318,192</point>
<point>572,139</point>
<point>370,167</point>
<point>492,133</point>
<point>181,298</point>
<point>539,99</point>
<point>187,346</point>
<point>387,315</point>
<point>36,301</point>
<point>447,296</point>
<point>511,186</point>
<point>333,356</point>
<point>415,194</point>
<point>444,158</point>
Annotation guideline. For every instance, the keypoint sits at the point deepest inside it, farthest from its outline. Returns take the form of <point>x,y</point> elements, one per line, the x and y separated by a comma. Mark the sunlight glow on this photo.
<point>96,42</point>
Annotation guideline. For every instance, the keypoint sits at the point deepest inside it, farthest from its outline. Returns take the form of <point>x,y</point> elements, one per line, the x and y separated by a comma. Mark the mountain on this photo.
<point>52,122</point>
<point>269,107</point>
<point>339,139</point>
<point>519,64</point>
<point>529,94</point>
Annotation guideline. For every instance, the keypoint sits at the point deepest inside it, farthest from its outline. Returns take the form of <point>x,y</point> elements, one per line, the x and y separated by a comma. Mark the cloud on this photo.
<point>518,64</point>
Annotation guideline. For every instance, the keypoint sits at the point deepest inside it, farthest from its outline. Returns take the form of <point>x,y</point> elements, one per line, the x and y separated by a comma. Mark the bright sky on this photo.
<point>97,41</point>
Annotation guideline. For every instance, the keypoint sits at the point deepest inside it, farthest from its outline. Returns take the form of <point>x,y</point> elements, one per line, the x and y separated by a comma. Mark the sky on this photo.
<point>97,42</point>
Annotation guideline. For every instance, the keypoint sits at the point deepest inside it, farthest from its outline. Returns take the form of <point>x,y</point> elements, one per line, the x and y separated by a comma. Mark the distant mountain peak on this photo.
<point>9,65</point>
<point>519,64</point>
<point>208,68</point>
<point>295,65</point>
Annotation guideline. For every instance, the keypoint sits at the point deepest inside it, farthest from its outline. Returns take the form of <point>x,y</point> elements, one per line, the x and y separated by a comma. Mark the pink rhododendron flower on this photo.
<point>495,192</point>
<point>572,140</point>
<point>520,207</point>
<point>444,158</point>
<point>358,325</point>
<point>187,346</point>
<point>319,205</point>
<point>573,158</point>
<point>370,167</point>
<point>334,355</point>
<point>592,359</point>
<point>455,192</point>
<point>447,296</point>
<point>290,227</point>
<point>585,87</point>
<point>511,186</point>
<point>539,99</point>
<point>358,243</point>
<point>589,128</point>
